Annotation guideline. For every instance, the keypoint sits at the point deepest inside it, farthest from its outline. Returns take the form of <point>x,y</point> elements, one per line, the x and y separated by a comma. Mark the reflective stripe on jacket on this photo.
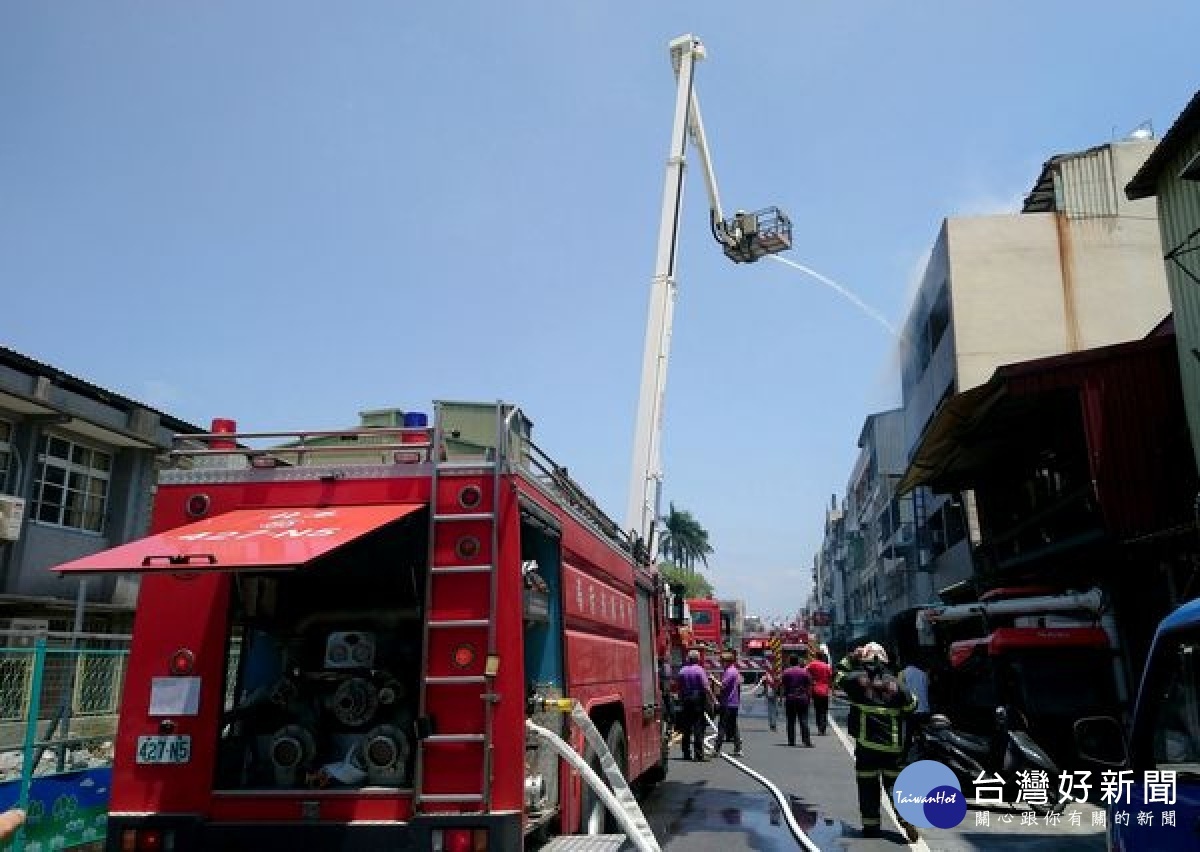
<point>877,708</point>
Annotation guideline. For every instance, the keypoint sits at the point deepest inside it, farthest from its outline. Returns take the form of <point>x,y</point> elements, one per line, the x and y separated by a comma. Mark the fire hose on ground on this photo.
<point>710,746</point>
<point>620,800</point>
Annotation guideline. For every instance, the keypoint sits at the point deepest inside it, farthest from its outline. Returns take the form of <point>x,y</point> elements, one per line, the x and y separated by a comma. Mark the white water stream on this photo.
<point>848,295</point>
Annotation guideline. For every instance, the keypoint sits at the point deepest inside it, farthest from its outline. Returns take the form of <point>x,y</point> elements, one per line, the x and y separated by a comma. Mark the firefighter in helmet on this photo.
<point>878,705</point>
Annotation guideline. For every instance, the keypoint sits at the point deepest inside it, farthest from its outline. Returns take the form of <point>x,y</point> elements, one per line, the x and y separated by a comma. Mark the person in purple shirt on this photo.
<point>694,694</point>
<point>729,702</point>
<point>796,684</point>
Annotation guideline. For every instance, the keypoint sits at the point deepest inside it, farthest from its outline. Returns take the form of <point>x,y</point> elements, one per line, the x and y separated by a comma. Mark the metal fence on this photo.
<point>59,700</point>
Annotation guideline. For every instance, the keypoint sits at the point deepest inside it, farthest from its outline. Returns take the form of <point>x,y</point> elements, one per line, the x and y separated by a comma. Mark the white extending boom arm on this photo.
<point>646,481</point>
<point>744,238</point>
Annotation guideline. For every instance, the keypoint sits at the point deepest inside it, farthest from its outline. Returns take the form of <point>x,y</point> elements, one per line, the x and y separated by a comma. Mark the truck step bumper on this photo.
<point>588,843</point>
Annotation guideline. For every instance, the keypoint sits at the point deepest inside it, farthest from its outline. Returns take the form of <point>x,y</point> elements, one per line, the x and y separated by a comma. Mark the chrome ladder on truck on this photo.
<point>457,706</point>
<point>457,695</point>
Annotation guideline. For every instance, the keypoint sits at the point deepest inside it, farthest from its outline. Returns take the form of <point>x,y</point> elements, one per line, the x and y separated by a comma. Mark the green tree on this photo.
<point>684,541</point>
<point>694,585</point>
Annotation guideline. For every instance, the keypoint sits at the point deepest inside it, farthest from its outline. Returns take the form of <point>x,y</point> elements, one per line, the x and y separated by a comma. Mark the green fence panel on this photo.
<point>60,696</point>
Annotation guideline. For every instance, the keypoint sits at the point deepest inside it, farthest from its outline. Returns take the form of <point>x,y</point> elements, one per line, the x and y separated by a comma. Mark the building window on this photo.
<point>97,681</point>
<point>72,484</point>
<point>5,454</point>
<point>939,317</point>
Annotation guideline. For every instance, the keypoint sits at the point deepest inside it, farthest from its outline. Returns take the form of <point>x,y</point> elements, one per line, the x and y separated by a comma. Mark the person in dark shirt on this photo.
<point>694,696</point>
<point>796,684</point>
<point>730,701</point>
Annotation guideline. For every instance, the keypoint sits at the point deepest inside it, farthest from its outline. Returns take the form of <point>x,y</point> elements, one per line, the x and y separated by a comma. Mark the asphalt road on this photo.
<point>712,806</point>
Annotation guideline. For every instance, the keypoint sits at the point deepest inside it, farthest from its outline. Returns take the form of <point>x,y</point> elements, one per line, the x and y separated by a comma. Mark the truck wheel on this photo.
<point>595,818</point>
<point>657,774</point>
<point>619,747</point>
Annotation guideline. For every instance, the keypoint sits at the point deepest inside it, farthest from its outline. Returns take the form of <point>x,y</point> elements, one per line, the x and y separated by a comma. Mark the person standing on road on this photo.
<point>768,688</point>
<point>797,695</point>
<point>878,705</point>
<point>694,696</point>
<point>822,679</point>
<point>729,701</point>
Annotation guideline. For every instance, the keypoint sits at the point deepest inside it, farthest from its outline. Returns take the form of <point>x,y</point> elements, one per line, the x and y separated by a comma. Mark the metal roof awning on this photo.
<point>969,428</point>
<point>940,442</point>
<point>261,539</point>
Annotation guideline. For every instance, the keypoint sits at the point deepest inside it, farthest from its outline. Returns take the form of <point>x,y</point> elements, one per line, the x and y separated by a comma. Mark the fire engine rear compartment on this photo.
<point>316,688</point>
<point>323,666</point>
<point>322,673</point>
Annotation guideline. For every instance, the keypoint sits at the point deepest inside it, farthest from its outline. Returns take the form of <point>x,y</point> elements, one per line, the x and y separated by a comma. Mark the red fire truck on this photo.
<point>756,645</point>
<point>340,636</point>
<point>694,624</point>
<point>706,622</point>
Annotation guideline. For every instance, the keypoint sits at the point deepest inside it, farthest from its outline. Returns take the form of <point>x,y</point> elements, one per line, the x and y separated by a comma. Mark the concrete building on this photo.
<point>830,569</point>
<point>891,577</point>
<point>1079,267</point>
<point>77,473</point>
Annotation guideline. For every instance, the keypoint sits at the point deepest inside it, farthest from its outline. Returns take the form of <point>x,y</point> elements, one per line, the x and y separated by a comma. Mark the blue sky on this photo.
<point>288,212</point>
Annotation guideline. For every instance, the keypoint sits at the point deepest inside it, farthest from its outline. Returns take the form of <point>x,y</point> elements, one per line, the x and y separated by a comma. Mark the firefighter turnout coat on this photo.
<point>878,704</point>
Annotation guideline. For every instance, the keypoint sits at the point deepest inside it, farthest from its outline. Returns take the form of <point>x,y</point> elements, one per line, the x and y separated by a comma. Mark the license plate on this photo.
<point>175,749</point>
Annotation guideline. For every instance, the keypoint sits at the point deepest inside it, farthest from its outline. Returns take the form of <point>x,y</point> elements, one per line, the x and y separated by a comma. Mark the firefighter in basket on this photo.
<point>879,704</point>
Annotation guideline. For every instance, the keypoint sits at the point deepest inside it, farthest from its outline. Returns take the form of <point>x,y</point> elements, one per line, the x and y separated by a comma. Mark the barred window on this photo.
<point>16,668</point>
<point>98,679</point>
<point>5,454</point>
<point>72,484</point>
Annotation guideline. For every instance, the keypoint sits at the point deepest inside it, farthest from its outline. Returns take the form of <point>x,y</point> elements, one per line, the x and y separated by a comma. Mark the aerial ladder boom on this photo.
<point>744,238</point>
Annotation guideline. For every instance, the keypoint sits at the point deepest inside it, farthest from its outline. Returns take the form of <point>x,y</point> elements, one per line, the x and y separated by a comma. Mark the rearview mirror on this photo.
<point>1101,739</point>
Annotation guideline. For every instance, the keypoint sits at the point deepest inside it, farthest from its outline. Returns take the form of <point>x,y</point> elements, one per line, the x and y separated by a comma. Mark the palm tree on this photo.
<point>684,541</point>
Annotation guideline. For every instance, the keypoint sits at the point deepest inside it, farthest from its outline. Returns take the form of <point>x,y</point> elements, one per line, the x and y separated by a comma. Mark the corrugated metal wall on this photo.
<point>1179,216</point>
<point>1133,419</point>
<point>1133,415</point>
<point>1086,185</point>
